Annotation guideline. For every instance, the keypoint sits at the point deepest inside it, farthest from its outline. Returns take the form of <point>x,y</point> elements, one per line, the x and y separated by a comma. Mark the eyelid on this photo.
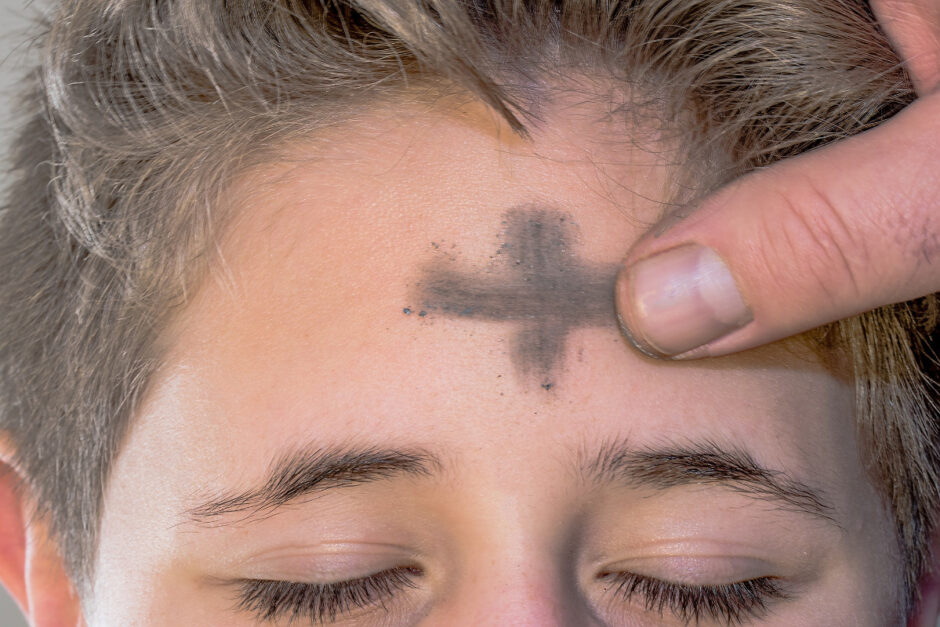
<point>324,562</point>
<point>270,600</point>
<point>696,569</point>
<point>730,603</point>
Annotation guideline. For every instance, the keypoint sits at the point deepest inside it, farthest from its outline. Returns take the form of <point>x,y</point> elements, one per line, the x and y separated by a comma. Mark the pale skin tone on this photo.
<point>299,342</point>
<point>823,236</point>
<point>304,344</point>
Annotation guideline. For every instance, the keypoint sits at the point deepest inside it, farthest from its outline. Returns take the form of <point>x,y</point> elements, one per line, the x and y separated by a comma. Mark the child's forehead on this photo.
<point>438,271</point>
<point>417,183</point>
<point>396,227</point>
<point>443,218</point>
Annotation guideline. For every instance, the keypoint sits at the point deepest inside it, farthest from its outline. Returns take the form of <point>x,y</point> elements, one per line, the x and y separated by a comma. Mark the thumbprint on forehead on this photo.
<point>540,289</point>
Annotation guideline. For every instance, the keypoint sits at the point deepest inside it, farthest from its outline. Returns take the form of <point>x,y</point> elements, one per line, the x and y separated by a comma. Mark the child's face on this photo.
<point>406,375</point>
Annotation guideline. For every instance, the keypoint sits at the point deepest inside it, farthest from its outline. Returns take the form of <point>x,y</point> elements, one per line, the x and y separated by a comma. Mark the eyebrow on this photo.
<point>306,473</point>
<point>707,464</point>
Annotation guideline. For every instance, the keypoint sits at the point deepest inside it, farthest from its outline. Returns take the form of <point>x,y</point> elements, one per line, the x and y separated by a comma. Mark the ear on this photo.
<point>30,566</point>
<point>928,608</point>
<point>913,26</point>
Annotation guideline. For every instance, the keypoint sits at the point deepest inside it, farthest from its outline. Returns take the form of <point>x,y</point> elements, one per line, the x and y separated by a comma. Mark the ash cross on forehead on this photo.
<point>544,290</point>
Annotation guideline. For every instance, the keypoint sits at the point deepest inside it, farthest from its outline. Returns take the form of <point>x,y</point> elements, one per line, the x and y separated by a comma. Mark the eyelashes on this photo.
<point>728,604</point>
<point>323,603</point>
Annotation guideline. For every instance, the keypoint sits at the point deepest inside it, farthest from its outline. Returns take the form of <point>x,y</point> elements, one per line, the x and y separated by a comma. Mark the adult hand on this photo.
<point>823,236</point>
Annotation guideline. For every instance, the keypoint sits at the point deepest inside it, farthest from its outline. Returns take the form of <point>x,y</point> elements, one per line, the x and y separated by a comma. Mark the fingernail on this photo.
<point>679,300</point>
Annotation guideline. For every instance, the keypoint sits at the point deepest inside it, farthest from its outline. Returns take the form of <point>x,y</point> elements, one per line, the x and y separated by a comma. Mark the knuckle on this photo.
<point>818,250</point>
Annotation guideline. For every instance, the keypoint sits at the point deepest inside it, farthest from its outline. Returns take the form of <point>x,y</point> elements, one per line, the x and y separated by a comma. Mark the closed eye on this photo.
<point>323,603</point>
<point>729,604</point>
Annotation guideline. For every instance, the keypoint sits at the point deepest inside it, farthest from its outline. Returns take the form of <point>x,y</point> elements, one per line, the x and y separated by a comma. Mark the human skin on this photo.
<point>825,235</point>
<point>299,339</point>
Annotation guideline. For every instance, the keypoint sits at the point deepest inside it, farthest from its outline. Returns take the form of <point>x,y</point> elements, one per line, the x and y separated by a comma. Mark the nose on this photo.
<point>528,599</point>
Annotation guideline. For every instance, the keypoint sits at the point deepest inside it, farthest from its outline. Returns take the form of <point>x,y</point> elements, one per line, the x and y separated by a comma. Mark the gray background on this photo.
<point>14,59</point>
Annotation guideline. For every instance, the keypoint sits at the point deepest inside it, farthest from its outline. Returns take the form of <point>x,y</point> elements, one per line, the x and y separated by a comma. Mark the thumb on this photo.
<point>820,237</point>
